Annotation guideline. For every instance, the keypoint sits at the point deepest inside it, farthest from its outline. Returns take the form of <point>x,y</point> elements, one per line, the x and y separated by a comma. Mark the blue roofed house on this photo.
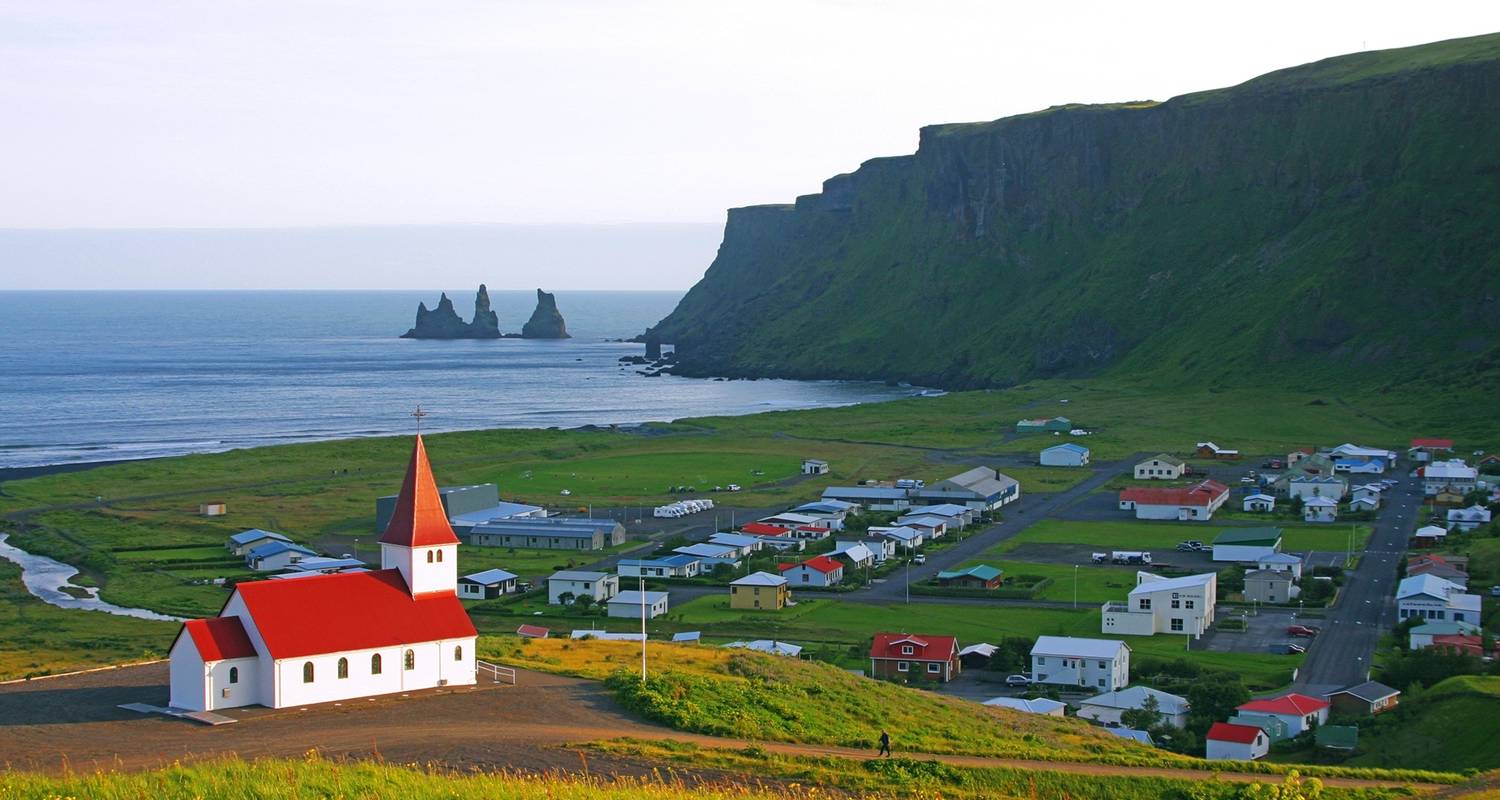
<point>245,541</point>
<point>486,585</point>
<point>1065,455</point>
<point>275,555</point>
<point>875,498</point>
<point>673,566</point>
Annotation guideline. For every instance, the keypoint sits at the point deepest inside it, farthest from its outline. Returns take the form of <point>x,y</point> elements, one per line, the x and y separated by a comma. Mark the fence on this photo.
<point>496,673</point>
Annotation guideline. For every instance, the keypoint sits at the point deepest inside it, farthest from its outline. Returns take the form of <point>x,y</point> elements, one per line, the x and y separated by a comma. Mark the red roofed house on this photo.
<point>1196,502</point>
<point>816,571</point>
<point>1466,644</point>
<point>902,656</point>
<point>763,529</point>
<point>1425,449</point>
<point>332,637</point>
<point>1228,741</point>
<point>1299,711</point>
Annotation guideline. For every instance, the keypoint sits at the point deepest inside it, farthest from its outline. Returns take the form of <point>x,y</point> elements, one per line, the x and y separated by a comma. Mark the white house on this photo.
<point>244,541</point>
<point>1164,605</point>
<point>1422,635</point>
<point>745,545</point>
<point>1320,509</point>
<point>323,638</point>
<point>1197,502</point>
<point>486,585</point>
<point>1065,455</point>
<point>579,583</point>
<point>816,571</point>
<point>1227,741</point>
<point>857,554</point>
<point>628,604</point>
<point>814,466</point>
<point>1160,467</point>
<point>1306,486</point>
<point>1453,473</point>
<point>1106,708</point>
<point>674,566</point>
<point>958,516</point>
<point>932,527</point>
<point>1259,503</point>
<point>1101,664</point>
<point>1467,519</point>
<point>1299,712</point>
<point>1281,562</point>
<point>880,547</point>
<point>1430,535</point>
<point>1040,705</point>
<point>1368,491</point>
<point>711,554</point>
<point>904,537</point>
<point>1432,598</point>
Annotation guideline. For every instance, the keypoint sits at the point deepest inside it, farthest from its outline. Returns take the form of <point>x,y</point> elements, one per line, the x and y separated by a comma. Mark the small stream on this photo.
<point>46,578</point>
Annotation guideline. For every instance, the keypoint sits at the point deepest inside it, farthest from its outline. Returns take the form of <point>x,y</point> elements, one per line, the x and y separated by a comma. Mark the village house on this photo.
<point>1053,425</point>
<point>770,647</point>
<point>820,571</point>
<point>980,576</point>
<point>1227,741</point>
<point>1065,455</point>
<point>1298,711</point>
<point>1429,536</point>
<point>743,545</point>
<point>1358,466</point>
<point>875,498</point>
<point>324,638</point>
<point>1101,664</point>
<point>793,520</point>
<point>1452,474</point>
<point>1281,562</point>
<point>630,603</point>
<point>855,555</point>
<point>1039,705</point>
<point>1270,586</point>
<point>1448,497</point>
<point>981,489</point>
<point>321,564</point>
<point>1259,503</point>
<point>759,591</point>
<point>1470,644</point>
<point>905,656</point>
<point>1365,699</point>
<point>673,566</point>
<point>1211,450</point>
<point>712,555</point>
<point>1320,509</point>
<point>1423,450</point>
<point>814,466</point>
<point>1432,598</point>
<point>1368,491</point>
<point>581,583</point>
<point>1425,635</point>
<point>1448,567</point>
<point>1160,467</point>
<point>1105,708</point>
<point>1467,519</point>
<point>904,538</point>
<point>242,543</point>
<point>1308,486</point>
<point>486,585</point>
<point>1347,450</point>
<point>1164,605</point>
<point>835,508</point>
<point>275,555</point>
<point>931,527</point>
<point>956,515</point>
<point>1246,545</point>
<point>881,548</point>
<point>548,533</point>
<point>1197,502</point>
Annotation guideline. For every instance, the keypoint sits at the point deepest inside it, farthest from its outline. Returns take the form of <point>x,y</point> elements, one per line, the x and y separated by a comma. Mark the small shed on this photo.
<point>814,466</point>
<point>979,576</point>
<point>213,508</point>
<point>628,604</point>
<point>486,585</point>
<point>533,632</point>
<point>1067,454</point>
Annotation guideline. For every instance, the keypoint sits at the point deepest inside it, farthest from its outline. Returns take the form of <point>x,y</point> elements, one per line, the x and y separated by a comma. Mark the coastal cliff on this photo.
<point>1335,220</point>
<point>546,321</point>
<point>445,323</point>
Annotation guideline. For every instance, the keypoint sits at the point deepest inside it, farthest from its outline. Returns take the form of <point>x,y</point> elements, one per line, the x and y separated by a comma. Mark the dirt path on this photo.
<point>74,723</point>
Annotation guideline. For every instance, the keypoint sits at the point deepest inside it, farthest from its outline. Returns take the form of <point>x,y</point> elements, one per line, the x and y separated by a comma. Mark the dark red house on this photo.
<point>904,656</point>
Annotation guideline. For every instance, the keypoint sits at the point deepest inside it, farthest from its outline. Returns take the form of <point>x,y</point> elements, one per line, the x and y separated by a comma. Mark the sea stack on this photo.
<point>546,321</point>
<point>445,323</point>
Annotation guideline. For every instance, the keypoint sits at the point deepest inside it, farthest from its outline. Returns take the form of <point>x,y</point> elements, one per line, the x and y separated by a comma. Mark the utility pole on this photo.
<point>643,629</point>
<point>1075,585</point>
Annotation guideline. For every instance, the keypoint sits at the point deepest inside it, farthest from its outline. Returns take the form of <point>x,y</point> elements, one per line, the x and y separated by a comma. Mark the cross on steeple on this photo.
<point>419,414</point>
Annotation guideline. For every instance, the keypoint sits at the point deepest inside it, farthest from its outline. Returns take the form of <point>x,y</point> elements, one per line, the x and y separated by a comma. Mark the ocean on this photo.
<point>102,376</point>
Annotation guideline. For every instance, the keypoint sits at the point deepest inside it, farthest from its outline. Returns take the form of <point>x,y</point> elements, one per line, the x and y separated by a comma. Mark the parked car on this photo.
<point>1294,649</point>
<point>1495,591</point>
<point>1017,680</point>
<point>919,559</point>
<point>1191,546</point>
<point>1301,630</point>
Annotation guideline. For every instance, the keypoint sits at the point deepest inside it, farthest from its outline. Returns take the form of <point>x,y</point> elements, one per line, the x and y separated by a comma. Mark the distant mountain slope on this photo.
<point>1336,219</point>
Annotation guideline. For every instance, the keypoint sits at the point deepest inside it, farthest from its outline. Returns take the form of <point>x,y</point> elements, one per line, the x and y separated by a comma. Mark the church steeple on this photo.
<point>418,540</point>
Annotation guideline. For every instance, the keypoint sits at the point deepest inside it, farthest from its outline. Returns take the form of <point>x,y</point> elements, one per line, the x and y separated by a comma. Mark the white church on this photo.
<point>332,637</point>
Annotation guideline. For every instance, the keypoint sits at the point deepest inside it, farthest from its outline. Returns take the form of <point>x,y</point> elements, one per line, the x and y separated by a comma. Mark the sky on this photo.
<point>268,114</point>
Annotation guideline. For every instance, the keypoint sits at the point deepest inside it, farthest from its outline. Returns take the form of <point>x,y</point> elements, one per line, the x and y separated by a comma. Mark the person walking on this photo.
<point>885,745</point>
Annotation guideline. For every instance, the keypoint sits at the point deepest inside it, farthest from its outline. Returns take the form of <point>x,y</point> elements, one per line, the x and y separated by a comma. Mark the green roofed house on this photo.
<point>1246,545</point>
<point>1336,737</point>
<point>981,576</point>
<point>1055,424</point>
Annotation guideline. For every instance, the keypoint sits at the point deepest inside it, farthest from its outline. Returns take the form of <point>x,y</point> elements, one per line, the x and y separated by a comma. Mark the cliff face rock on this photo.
<point>546,321</point>
<point>1340,219</point>
<point>445,323</point>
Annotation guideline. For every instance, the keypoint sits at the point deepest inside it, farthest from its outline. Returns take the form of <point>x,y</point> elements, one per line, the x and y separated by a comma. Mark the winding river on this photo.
<point>47,579</point>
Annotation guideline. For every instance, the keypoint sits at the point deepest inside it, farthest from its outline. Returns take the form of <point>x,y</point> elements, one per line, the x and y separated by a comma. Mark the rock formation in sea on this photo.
<point>445,323</point>
<point>546,321</point>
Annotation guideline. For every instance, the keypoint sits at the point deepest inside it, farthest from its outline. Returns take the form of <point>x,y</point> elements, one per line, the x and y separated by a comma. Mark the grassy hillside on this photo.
<point>1335,222</point>
<point>1454,725</point>
<point>748,695</point>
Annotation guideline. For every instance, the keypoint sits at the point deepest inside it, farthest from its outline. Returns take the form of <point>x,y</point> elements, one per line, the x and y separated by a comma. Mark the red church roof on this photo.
<point>1293,704</point>
<point>219,638</point>
<point>924,648</point>
<point>349,611</point>
<point>419,519</point>
<point>1230,732</point>
<point>1199,494</point>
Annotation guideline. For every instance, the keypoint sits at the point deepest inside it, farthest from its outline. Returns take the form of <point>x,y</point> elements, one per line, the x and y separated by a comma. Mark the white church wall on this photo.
<point>222,693</point>
<point>186,673</point>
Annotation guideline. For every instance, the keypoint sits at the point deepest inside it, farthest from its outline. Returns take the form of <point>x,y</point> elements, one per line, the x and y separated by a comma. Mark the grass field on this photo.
<point>1453,725</point>
<point>1162,536</point>
<point>1095,584</point>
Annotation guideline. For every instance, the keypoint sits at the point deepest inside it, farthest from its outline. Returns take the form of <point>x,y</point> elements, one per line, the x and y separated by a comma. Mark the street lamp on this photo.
<point>1075,585</point>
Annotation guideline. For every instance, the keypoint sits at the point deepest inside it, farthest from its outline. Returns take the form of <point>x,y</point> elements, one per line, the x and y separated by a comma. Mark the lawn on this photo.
<point>1139,535</point>
<point>1453,725</point>
<point>1047,479</point>
<point>1095,584</point>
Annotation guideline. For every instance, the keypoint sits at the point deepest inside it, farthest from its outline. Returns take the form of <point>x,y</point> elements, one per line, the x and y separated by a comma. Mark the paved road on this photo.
<point>1341,655</point>
<point>1019,516</point>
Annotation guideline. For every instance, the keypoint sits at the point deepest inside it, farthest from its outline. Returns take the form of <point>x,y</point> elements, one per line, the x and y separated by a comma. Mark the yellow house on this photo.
<point>759,591</point>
